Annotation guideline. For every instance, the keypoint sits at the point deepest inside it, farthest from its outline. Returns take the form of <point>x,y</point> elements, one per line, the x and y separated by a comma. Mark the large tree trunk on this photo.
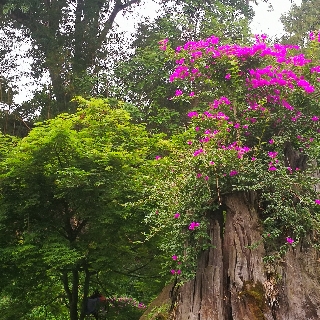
<point>232,281</point>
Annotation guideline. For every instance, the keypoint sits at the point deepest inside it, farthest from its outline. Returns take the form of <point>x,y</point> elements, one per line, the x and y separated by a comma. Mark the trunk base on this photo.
<point>233,283</point>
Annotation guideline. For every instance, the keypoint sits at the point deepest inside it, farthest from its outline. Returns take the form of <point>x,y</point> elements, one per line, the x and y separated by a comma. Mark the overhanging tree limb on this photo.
<point>119,6</point>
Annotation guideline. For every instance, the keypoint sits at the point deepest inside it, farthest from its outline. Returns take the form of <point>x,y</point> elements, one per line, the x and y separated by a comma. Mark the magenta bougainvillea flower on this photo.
<point>237,125</point>
<point>192,114</point>
<point>272,154</point>
<point>193,225</point>
<point>163,44</point>
<point>197,152</point>
<point>290,240</point>
<point>233,173</point>
<point>237,131</point>
<point>175,271</point>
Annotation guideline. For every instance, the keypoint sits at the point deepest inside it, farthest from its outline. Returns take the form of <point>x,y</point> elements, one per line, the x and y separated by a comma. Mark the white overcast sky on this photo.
<point>265,21</point>
<point>269,22</point>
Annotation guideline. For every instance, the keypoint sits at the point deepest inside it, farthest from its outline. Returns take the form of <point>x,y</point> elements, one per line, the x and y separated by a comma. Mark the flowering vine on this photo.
<point>253,127</point>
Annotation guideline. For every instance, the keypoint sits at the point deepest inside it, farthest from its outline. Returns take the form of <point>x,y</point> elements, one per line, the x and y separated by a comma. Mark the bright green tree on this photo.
<point>66,226</point>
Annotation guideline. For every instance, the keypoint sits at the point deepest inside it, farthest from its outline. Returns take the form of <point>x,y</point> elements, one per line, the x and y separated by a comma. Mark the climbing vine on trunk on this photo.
<point>254,128</point>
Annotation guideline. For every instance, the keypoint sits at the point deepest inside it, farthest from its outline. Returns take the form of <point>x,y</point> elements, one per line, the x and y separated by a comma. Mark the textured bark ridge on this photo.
<point>233,283</point>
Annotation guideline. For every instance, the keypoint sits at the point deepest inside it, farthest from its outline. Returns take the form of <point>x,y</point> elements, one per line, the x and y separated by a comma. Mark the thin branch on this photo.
<point>20,118</point>
<point>136,275</point>
<point>108,25</point>
<point>64,279</point>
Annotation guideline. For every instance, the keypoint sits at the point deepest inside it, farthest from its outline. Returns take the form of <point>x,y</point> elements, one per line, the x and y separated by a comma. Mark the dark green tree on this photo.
<point>68,40</point>
<point>74,41</point>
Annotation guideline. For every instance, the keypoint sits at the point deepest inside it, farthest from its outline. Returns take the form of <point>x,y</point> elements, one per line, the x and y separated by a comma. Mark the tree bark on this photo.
<point>233,283</point>
<point>75,295</point>
<point>85,293</point>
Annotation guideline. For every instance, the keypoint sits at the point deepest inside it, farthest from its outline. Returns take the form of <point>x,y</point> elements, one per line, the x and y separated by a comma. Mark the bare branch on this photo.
<point>119,6</point>
<point>64,279</point>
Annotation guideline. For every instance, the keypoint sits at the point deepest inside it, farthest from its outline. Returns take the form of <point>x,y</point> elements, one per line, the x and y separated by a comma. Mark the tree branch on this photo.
<point>136,275</point>
<point>119,6</point>
<point>64,279</point>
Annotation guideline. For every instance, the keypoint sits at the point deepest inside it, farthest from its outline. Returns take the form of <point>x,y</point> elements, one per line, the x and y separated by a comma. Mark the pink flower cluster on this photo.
<point>234,146</point>
<point>210,46</point>
<point>216,103</point>
<point>219,116</point>
<point>233,173</point>
<point>274,76</point>
<point>208,135</point>
<point>197,152</point>
<point>272,154</point>
<point>173,271</point>
<point>192,114</point>
<point>193,225</point>
<point>289,240</point>
<point>312,36</point>
<point>315,69</point>
<point>269,100</point>
<point>198,45</point>
<point>180,72</point>
<point>163,44</point>
<point>267,76</point>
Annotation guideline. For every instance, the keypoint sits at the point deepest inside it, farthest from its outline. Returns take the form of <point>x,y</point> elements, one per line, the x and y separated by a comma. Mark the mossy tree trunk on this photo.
<point>232,282</point>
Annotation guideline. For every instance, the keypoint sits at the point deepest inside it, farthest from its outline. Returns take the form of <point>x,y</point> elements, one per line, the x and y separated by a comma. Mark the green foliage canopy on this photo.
<point>66,227</point>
